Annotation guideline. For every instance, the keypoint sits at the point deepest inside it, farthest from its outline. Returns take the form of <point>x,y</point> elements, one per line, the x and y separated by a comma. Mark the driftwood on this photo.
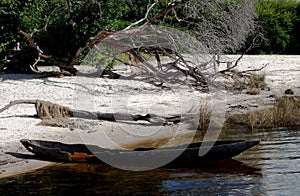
<point>230,70</point>
<point>178,63</point>
<point>48,110</point>
<point>138,59</point>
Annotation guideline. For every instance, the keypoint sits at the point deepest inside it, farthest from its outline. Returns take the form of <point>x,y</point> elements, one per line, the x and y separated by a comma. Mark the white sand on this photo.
<point>107,95</point>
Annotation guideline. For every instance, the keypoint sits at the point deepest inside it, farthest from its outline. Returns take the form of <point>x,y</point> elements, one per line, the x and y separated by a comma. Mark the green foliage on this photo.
<point>62,38</point>
<point>279,20</point>
<point>294,46</point>
<point>8,24</point>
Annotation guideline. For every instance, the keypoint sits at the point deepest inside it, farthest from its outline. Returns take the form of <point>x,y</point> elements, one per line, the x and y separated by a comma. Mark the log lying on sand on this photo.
<point>48,110</point>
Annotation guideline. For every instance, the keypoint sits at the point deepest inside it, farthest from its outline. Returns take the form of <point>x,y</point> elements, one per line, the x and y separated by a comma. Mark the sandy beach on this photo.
<point>107,95</point>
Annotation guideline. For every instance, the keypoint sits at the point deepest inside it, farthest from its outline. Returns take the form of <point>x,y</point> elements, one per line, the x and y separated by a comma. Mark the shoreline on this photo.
<point>19,123</point>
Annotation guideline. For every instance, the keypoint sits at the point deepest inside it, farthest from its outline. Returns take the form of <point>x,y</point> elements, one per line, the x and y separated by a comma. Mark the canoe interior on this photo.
<point>196,145</point>
<point>71,148</point>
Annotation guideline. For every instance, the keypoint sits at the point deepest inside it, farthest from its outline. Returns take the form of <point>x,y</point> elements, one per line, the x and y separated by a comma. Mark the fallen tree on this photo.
<point>48,110</point>
<point>214,26</point>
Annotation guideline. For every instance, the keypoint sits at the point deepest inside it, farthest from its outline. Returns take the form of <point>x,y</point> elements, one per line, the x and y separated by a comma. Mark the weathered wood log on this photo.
<point>152,118</point>
<point>48,110</point>
<point>63,66</point>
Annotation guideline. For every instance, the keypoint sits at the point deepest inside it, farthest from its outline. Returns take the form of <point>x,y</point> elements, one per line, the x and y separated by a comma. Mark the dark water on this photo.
<point>271,168</point>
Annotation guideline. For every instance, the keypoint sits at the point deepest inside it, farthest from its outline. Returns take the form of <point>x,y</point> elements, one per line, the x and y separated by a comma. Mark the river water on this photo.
<point>271,168</point>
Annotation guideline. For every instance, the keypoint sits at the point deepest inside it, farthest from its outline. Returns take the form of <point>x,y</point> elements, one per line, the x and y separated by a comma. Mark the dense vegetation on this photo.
<point>63,37</point>
<point>66,32</point>
<point>280,21</point>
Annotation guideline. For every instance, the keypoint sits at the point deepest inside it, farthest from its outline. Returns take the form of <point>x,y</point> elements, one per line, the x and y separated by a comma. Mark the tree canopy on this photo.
<point>222,25</point>
<point>280,21</point>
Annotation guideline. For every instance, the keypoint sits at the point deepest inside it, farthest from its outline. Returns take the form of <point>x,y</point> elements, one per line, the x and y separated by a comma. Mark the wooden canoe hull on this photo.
<point>56,151</point>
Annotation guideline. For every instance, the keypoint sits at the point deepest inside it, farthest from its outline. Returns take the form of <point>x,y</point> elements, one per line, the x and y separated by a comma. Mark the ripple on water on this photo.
<point>271,168</point>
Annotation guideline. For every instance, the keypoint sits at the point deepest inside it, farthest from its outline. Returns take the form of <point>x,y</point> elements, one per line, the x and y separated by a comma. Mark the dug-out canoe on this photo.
<point>61,152</point>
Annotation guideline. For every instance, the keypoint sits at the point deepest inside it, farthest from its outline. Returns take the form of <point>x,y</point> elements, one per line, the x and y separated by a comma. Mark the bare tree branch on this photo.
<point>219,26</point>
<point>222,26</point>
<point>230,68</point>
<point>12,103</point>
<point>141,20</point>
<point>164,12</point>
<point>29,37</point>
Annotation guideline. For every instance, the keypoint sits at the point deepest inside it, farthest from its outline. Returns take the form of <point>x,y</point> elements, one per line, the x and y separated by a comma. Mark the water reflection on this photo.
<point>271,168</point>
<point>278,157</point>
<point>101,179</point>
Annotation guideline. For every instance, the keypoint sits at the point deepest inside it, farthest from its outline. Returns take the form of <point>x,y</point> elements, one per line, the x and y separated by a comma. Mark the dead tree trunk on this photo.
<point>48,110</point>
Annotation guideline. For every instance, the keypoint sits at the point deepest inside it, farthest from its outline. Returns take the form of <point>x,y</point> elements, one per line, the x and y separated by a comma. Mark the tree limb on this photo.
<point>164,12</point>
<point>29,37</point>
<point>171,6</point>
<point>50,110</point>
<point>238,60</point>
<point>141,20</point>
<point>12,103</point>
